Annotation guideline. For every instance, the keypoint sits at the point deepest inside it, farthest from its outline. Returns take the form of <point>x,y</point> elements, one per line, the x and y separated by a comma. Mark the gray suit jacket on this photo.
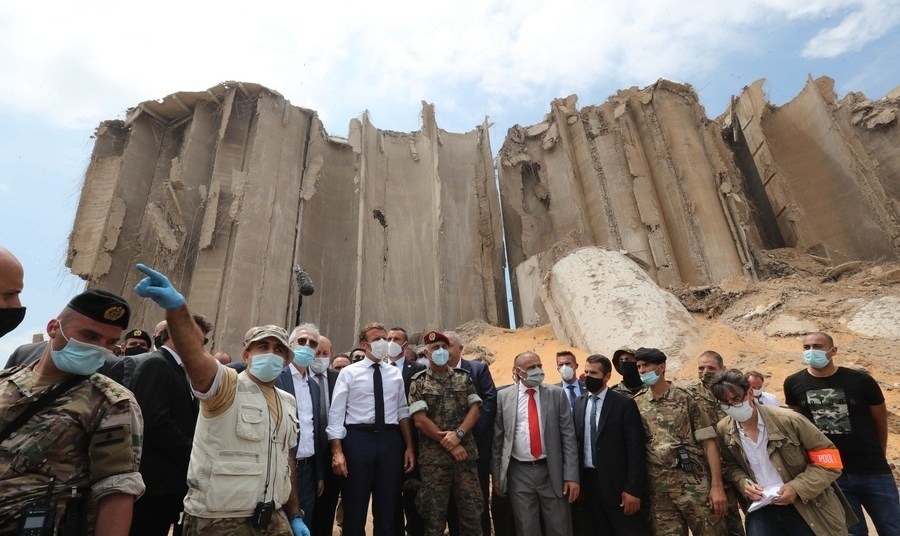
<point>558,429</point>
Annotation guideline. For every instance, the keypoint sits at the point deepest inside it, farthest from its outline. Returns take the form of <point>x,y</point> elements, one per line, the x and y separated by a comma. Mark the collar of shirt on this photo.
<point>174,354</point>
<point>601,395</point>
<point>399,363</point>
<point>296,372</point>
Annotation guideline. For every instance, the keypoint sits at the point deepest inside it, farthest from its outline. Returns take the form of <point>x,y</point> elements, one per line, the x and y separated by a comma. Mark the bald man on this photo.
<point>12,278</point>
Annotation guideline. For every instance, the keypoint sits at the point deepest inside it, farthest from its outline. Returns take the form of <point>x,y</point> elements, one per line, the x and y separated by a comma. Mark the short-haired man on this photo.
<point>444,407</point>
<point>309,455</point>
<point>848,407</point>
<point>79,455</point>
<point>371,436</point>
<point>767,449</point>
<point>12,278</point>
<point>325,348</point>
<point>567,365</point>
<point>756,380</point>
<point>683,465</point>
<point>170,415</point>
<point>611,447</point>
<point>240,477</point>
<point>535,457</point>
<point>340,361</point>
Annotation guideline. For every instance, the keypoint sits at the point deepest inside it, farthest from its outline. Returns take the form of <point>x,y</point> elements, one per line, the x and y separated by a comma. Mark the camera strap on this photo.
<point>42,402</point>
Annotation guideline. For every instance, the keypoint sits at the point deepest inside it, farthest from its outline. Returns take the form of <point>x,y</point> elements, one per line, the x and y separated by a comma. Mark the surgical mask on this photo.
<point>817,359</point>
<point>440,357</point>
<point>534,377</point>
<point>593,384</point>
<point>319,365</point>
<point>649,378</point>
<point>755,393</point>
<point>10,319</point>
<point>567,373</point>
<point>393,349</point>
<point>379,348</point>
<point>630,376</point>
<point>739,413</point>
<point>706,378</point>
<point>78,357</point>
<point>266,367</point>
<point>303,356</point>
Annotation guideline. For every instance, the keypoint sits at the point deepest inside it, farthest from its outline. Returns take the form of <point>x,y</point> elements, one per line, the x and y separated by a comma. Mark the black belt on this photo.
<point>541,461</point>
<point>370,427</point>
<point>303,462</point>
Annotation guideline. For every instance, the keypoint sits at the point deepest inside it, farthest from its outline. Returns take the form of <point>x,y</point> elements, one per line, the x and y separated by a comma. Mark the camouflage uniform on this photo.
<point>678,498</point>
<point>88,440</point>
<point>708,403</point>
<point>236,526</point>
<point>446,400</point>
<point>620,387</point>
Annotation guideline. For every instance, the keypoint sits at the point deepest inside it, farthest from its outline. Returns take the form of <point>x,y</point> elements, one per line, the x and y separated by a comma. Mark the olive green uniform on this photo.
<point>446,400</point>
<point>87,442</point>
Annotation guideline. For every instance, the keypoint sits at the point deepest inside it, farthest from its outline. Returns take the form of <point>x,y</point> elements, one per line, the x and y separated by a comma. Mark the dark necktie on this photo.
<point>593,428</point>
<point>323,398</point>
<point>379,397</point>
<point>534,426</point>
<point>571,389</point>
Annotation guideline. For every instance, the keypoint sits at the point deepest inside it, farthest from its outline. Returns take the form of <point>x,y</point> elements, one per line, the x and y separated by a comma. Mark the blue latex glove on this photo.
<point>157,287</point>
<point>299,527</point>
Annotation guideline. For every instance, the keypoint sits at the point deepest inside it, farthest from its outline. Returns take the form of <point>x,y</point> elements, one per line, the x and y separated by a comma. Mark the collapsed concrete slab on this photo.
<point>600,300</point>
<point>234,190</point>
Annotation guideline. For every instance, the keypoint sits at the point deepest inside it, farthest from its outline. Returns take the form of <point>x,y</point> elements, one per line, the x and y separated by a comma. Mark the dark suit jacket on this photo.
<point>170,416</point>
<point>26,354</point>
<point>620,455</point>
<point>484,387</point>
<point>285,382</point>
<point>410,368</point>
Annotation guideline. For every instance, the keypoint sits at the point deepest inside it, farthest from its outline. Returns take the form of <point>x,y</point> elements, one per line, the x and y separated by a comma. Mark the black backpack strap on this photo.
<point>45,400</point>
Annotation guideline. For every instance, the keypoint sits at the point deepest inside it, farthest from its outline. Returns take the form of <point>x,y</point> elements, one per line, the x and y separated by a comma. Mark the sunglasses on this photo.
<point>304,341</point>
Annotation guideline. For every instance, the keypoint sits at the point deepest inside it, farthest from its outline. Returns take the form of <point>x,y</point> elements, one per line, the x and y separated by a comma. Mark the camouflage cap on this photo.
<point>650,355</point>
<point>259,333</point>
<point>617,355</point>
<point>102,306</point>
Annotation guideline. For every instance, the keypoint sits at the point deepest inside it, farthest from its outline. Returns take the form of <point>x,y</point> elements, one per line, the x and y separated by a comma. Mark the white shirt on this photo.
<point>305,445</point>
<point>521,449</point>
<point>588,452</point>
<point>767,399</point>
<point>353,400</point>
<point>758,456</point>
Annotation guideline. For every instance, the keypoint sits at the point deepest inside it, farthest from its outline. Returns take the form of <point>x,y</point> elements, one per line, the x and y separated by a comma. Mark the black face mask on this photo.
<point>630,376</point>
<point>10,319</point>
<point>135,350</point>
<point>593,384</point>
<point>158,341</point>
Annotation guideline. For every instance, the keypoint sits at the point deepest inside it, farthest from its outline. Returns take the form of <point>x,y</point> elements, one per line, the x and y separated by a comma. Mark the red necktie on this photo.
<point>534,427</point>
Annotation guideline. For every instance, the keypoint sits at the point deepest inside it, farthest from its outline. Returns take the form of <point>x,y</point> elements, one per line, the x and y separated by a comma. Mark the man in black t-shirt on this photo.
<point>848,407</point>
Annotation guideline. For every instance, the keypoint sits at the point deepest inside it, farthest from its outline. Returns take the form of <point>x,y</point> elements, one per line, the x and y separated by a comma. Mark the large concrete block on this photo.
<point>601,300</point>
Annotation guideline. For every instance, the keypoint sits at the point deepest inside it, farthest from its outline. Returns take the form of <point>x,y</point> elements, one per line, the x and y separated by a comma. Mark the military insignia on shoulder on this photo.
<point>114,313</point>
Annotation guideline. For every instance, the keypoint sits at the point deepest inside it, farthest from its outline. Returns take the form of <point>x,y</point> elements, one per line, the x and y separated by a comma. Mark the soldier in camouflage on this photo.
<point>624,363</point>
<point>445,408</point>
<point>709,364</point>
<point>683,465</point>
<point>79,455</point>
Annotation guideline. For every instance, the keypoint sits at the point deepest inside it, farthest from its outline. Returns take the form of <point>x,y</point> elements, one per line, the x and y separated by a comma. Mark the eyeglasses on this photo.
<point>739,404</point>
<point>305,341</point>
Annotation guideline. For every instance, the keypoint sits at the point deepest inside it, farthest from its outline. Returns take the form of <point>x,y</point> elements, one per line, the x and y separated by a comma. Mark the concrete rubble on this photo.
<point>233,190</point>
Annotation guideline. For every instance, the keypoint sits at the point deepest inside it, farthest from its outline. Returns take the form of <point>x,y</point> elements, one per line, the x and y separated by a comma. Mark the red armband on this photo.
<point>829,458</point>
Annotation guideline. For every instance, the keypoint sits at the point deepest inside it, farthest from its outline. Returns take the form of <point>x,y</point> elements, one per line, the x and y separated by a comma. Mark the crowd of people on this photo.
<point>110,430</point>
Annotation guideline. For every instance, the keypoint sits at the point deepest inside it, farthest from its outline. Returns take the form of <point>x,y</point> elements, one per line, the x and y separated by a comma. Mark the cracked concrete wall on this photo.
<point>228,190</point>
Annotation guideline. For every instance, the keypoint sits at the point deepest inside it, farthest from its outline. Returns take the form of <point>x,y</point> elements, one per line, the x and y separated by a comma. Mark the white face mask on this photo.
<point>394,349</point>
<point>567,373</point>
<point>739,413</point>
<point>379,349</point>
<point>319,365</point>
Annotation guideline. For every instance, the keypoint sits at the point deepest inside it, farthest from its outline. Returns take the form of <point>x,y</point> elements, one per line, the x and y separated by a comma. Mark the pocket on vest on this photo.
<point>233,485</point>
<point>251,422</point>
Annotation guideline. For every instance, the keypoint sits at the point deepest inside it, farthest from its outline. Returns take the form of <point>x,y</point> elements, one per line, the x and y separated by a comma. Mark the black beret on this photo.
<point>104,307</point>
<point>139,334</point>
<point>649,355</point>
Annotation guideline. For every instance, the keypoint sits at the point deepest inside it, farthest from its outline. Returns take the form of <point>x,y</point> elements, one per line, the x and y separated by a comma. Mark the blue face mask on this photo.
<point>303,356</point>
<point>78,357</point>
<point>266,367</point>
<point>650,378</point>
<point>817,359</point>
<point>440,357</point>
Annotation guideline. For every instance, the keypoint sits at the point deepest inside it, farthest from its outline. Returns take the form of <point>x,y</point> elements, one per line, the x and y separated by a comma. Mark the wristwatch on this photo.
<point>460,433</point>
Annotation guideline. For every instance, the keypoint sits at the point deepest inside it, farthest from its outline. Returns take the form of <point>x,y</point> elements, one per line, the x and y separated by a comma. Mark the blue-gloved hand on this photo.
<point>299,527</point>
<point>158,288</point>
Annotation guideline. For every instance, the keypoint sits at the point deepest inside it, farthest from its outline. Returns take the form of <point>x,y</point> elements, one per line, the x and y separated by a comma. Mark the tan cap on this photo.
<point>259,333</point>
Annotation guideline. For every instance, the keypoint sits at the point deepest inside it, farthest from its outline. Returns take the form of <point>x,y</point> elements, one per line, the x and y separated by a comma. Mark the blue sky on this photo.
<point>69,65</point>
